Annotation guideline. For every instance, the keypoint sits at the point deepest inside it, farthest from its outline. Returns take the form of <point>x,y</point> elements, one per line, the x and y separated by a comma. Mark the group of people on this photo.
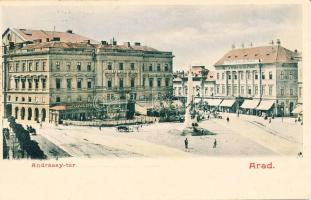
<point>32,130</point>
<point>187,142</point>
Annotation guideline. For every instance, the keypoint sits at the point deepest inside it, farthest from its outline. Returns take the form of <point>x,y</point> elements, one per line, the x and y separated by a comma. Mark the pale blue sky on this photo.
<point>197,35</point>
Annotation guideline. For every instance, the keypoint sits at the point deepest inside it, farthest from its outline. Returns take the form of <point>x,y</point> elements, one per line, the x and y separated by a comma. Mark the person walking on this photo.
<point>186,143</point>
<point>227,119</point>
<point>215,143</point>
<point>100,127</point>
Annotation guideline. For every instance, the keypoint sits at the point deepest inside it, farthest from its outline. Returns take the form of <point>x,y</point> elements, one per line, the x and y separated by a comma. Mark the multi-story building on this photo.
<point>203,83</point>
<point>62,75</point>
<point>258,79</point>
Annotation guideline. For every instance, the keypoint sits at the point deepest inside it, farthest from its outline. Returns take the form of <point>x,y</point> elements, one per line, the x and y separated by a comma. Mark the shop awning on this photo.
<point>298,109</point>
<point>58,107</point>
<point>227,102</point>
<point>265,105</point>
<point>250,104</point>
<point>213,102</point>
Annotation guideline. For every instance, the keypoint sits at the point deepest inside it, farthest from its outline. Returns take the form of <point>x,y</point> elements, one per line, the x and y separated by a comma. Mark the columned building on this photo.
<point>51,76</point>
<point>259,79</point>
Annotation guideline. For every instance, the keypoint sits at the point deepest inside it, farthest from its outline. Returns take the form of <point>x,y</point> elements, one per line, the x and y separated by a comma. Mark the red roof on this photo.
<point>266,54</point>
<point>31,35</point>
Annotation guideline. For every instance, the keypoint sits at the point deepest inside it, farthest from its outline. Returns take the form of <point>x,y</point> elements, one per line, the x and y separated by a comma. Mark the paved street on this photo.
<point>242,136</point>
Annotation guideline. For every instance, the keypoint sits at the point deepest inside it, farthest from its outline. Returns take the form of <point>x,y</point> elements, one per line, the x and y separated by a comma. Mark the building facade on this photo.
<point>51,76</point>
<point>261,79</point>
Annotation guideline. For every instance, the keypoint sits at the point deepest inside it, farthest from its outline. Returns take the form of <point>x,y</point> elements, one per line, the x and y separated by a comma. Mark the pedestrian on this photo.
<point>227,119</point>
<point>215,143</point>
<point>270,120</point>
<point>41,124</point>
<point>100,127</point>
<point>208,117</point>
<point>186,143</point>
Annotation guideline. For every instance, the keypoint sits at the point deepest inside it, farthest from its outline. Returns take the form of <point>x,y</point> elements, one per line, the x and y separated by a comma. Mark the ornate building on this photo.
<point>258,79</point>
<point>50,76</point>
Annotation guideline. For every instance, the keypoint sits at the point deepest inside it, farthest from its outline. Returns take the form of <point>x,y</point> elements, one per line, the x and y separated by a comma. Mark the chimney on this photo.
<point>37,41</point>
<point>137,43</point>
<point>69,31</point>
<point>104,42</point>
<point>127,44</point>
<point>47,39</point>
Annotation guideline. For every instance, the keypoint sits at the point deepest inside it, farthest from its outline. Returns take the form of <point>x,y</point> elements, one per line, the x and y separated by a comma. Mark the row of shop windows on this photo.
<point>249,90</point>
<point>69,83</point>
<point>79,66</point>
<point>30,83</point>
<point>29,99</point>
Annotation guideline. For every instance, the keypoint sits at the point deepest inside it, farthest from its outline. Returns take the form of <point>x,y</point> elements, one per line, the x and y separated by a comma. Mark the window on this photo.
<point>229,76</point>
<point>263,89</point>
<point>282,91</point>
<point>36,83</point>
<point>79,98</point>
<point>249,90</point>
<point>256,75</point>
<point>9,98</point>
<point>282,75</point>
<point>150,82</point>
<point>37,66</point>
<point>235,76</point>
<point>248,74</point>
<point>235,89</point>
<point>89,83</point>
<point>109,66</point>
<point>57,64</point>
<point>57,83</point>
<point>270,75</point>
<point>68,66</point>
<point>69,83</point>
<point>79,83</point>
<point>89,67</point>
<point>291,92</point>
<point>16,98</point>
<point>256,90</point>
<point>23,99</point>
<point>29,83</point>
<point>159,82</point>
<point>270,90</point>
<point>121,83</point>
<point>24,67</point>
<point>166,67</point>
<point>217,89</point>
<point>78,66</point>
<point>57,99</point>
<point>242,75</point>
<point>223,91</point>
<point>132,82</point>
<point>242,90</point>
<point>223,76</point>
<point>23,83</point>
<point>167,82</point>
<point>17,66</point>
<point>132,66</point>
<point>109,84</point>
<point>143,67</point>
<point>16,83</point>
<point>159,67</point>
<point>144,80</point>
<point>300,92</point>
<point>43,66</point>
<point>120,66</point>
<point>43,83</point>
<point>217,76</point>
<point>229,89</point>
<point>30,66</point>
<point>290,75</point>
<point>263,75</point>
<point>150,67</point>
<point>29,99</point>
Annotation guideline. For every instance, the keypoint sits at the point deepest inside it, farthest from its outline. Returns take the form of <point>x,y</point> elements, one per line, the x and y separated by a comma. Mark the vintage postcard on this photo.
<point>145,100</point>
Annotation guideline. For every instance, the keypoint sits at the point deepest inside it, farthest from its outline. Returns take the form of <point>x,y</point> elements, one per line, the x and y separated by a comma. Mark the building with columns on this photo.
<point>51,76</point>
<point>258,80</point>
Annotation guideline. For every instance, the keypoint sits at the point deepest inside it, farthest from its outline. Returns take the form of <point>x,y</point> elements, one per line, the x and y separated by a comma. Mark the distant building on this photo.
<point>258,80</point>
<point>203,83</point>
<point>52,76</point>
